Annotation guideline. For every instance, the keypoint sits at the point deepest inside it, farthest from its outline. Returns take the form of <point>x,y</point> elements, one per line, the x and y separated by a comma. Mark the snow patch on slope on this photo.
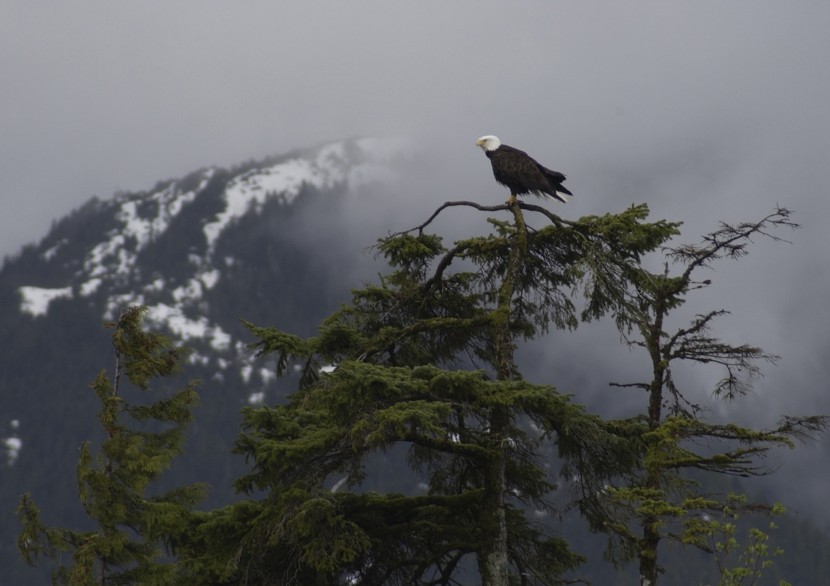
<point>251,190</point>
<point>116,304</point>
<point>139,221</point>
<point>35,300</point>
<point>355,163</point>
<point>186,328</point>
<point>113,256</point>
<point>50,253</point>
<point>90,287</point>
<point>13,444</point>
<point>111,268</point>
<point>167,203</point>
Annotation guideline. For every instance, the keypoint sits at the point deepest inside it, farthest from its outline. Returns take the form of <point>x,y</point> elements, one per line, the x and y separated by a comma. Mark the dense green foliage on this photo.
<point>133,526</point>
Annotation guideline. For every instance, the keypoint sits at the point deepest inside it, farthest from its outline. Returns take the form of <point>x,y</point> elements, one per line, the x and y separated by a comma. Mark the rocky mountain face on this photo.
<point>258,242</point>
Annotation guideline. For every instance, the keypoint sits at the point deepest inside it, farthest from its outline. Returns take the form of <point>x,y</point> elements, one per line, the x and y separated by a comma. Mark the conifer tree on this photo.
<point>663,499</point>
<point>132,526</point>
<point>741,560</point>
<point>418,371</point>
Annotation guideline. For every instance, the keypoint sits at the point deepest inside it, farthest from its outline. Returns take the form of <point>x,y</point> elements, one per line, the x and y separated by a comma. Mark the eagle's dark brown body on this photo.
<point>521,174</point>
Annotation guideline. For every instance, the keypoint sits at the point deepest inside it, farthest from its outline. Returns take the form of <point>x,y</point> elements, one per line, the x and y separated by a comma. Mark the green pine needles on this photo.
<point>133,526</point>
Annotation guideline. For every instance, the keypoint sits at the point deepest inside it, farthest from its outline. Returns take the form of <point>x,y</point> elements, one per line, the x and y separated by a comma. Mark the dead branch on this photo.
<point>497,208</point>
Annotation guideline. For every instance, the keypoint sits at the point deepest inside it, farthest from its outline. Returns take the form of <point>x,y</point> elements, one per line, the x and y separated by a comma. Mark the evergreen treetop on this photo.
<point>665,497</point>
<point>129,544</point>
<point>419,371</point>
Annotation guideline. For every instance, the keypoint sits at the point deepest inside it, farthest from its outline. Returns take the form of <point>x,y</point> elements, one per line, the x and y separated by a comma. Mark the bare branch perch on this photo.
<point>472,204</point>
<point>497,208</point>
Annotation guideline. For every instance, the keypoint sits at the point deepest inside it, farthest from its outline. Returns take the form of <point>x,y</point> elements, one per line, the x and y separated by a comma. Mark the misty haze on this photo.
<point>224,163</point>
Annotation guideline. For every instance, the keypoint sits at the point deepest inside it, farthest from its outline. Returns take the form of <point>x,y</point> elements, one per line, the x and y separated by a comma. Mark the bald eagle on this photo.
<point>517,171</point>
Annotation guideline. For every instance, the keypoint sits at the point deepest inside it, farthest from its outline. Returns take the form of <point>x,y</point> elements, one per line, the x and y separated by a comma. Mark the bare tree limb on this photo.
<point>497,208</point>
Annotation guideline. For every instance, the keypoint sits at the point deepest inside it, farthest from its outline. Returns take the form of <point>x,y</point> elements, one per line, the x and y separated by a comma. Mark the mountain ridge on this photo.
<point>254,241</point>
<point>143,217</point>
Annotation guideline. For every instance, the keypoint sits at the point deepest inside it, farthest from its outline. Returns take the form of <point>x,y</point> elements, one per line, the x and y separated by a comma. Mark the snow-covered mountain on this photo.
<point>111,270</point>
<point>254,242</point>
<point>140,219</point>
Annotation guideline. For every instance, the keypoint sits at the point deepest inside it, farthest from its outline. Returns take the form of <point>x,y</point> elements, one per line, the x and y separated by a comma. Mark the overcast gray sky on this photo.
<point>705,110</point>
<point>710,106</point>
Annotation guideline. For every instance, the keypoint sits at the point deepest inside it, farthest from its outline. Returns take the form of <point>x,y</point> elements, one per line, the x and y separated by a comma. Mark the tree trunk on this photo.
<point>493,559</point>
<point>649,569</point>
<point>494,562</point>
<point>648,552</point>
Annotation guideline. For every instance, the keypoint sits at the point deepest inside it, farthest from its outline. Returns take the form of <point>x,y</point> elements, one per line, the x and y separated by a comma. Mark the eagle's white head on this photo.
<point>489,142</point>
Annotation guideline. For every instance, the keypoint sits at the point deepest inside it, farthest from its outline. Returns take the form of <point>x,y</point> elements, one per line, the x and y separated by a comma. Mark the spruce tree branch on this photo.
<point>644,386</point>
<point>502,207</point>
<point>443,264</point>
<point>700,324</point>
<point>804,427</point>
<point>739,463</point>
<point>709,350</point>
<point>448,569</point>
<point>731,240</point>
<point>448,204</point>
<point>446,446</point>
<point>383,343</point>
